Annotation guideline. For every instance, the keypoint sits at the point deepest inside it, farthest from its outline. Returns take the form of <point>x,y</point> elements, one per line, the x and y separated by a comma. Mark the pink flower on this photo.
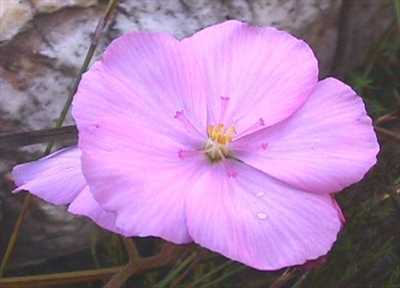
<point>225,138</point>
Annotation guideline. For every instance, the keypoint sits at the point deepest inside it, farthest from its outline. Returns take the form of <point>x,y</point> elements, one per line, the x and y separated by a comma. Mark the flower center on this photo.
<point>216,147</point>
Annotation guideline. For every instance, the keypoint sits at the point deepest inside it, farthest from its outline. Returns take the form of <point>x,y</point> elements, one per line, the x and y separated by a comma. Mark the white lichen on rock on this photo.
<point>16,14</point>
<point>13,17</point>
<point>48,6</point>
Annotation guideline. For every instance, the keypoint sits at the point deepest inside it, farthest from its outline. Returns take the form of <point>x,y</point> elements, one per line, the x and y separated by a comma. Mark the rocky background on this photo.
<point>43,43</point>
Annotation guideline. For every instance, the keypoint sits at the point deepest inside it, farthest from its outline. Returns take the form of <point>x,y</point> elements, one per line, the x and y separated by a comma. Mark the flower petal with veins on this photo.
<point>225,138</point>
<point>258,220</point>
<point>58,179</point>
<point>324,147</point>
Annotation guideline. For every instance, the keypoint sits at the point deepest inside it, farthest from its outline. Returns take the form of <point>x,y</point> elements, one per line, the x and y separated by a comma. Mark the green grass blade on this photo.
<point>211,273</point>
<point>224,276</point>
<point>174,272</point>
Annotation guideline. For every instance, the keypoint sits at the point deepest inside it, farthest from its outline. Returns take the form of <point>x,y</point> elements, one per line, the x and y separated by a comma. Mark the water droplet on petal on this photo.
<point>260,194</point>
<point>261,216</point>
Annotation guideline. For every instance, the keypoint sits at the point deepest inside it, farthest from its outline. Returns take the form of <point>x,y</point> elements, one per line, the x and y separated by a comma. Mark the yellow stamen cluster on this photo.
<point>219,134</point>
<point>218,138</point>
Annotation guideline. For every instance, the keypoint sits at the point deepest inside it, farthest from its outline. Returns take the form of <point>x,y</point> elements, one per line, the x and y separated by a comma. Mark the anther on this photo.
<point>216,146</point>
<point>264,146</point>
<point>219,134</point>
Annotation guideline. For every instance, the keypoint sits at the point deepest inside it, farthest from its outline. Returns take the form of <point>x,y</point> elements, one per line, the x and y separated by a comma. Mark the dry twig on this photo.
<point>137,265</point>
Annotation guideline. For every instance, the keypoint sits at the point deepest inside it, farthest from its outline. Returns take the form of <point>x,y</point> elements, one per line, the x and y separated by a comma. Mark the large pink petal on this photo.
<point>138,173</point>
<point>250,217</point>
<point>266,73</point>
<point>56,178</point>
<point>136,110</point>
<point>85,205</point>
<point>148,77</point>
<point>325,146</point>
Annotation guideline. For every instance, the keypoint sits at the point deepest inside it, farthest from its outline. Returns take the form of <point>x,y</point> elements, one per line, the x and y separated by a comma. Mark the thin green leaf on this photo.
<point>174,272</point>
<point>211,273</point>
<point>397,8</point>
<point>300,280</point>
<point>224,276</point>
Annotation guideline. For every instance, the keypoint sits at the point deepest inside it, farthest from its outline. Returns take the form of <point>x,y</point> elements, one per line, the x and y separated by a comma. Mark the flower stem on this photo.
<point>21,139</point>
<point>64,278</point>
<point>14,234</point>
<point>168,253</point>
<point>119,274</point>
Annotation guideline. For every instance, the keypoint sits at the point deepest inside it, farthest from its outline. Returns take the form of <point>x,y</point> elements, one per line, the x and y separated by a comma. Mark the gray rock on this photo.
<point>13,17</point>
<point>15,14</point>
